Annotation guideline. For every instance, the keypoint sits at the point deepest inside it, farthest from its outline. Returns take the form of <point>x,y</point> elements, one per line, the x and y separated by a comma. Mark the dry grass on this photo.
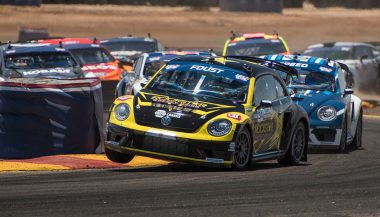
<point>184,27</point>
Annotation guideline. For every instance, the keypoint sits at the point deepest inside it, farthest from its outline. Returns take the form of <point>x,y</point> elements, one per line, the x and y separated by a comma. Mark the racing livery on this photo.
<point>335,113</point>
<point>128,49</point>
<point>96,61</point>
<point>255,44</point>
<point>144,69</point>
<point>221,111</point>
<point>37,61</point>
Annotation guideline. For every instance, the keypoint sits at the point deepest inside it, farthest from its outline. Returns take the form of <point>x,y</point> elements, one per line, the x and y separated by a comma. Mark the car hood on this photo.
<point>187,113</point>
<point>311,100</point>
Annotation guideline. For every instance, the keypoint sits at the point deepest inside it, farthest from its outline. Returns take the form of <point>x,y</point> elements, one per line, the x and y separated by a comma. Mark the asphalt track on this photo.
<point>329,184</point>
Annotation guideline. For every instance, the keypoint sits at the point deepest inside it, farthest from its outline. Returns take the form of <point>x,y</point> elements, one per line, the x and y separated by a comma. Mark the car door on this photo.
<point>265,116</point>
<point>346,98</point>
<point>368,61</point>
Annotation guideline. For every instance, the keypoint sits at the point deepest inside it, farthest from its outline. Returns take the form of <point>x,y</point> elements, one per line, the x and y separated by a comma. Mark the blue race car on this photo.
<point>321,89</point>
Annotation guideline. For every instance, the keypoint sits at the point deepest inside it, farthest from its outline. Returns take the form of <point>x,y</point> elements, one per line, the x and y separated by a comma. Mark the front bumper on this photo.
<point>324,137</point>
<point>161,145</point>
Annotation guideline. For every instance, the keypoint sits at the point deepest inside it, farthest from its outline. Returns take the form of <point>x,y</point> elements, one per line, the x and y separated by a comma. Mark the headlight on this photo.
<point>219,127</point>
<point>122,111</point>
<point>327,113</point>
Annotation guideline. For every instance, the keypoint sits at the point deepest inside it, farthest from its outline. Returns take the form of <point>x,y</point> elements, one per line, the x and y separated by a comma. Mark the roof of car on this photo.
<point>66,41</point>
<point>251,65</point>
<point>338,44</point>
<point>80,46</point>
<point>28,48</point>
<point>309,63</point>
<point>169,55</point>
<point>129,39</point>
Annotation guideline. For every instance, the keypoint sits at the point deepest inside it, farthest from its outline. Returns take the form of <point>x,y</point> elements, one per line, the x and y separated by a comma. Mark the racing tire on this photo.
<point>296,148</point>
<point>343,137</point>
<point>243,150</point>
<point>357,142</point>
<point>118,157</point>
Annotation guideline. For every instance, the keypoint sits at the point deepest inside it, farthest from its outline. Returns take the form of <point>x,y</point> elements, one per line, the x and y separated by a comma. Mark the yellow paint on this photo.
<point>366,104</point>
<point>19,166</point>
<point>137,161</point>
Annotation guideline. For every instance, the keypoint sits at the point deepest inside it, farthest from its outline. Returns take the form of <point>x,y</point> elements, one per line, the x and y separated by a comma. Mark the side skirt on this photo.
<point>270,155</point>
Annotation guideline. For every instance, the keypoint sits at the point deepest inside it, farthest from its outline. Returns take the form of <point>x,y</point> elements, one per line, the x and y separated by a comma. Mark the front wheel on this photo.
<point>357,142</point>
<point>296,148</point>
<point>243,150</point>
<point>343,138</point>
<point>118,157</point>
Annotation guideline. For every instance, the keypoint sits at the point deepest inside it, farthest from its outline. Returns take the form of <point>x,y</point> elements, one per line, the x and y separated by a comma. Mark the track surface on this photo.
<point>329,185</point>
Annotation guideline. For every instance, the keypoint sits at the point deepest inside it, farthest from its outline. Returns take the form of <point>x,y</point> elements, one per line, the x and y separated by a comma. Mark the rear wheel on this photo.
<point>357,142</point>
<point>296,148</point>
<point>243,150</point>
<point>118,157</point>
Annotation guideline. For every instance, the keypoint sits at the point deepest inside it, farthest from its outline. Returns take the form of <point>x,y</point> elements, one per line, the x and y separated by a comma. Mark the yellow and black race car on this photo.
<point>224,111</point>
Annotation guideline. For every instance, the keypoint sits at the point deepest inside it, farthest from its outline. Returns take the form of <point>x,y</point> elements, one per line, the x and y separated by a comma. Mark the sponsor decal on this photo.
<point>123,98</point>
<point>170,107</point>
<point>234,116</point>
<point>125,53</point>
<point>206,68</point>
<point>47,71</point>
<point>154,58</point>
<point>263,128</point>
<point>178,102</point>
<point>241,77</point>
<point>171,67</point>
<point>160,113</point>
<point>292,64</point>
<point>214,160</point>
<point>101,66</point>
<point>324,69</point>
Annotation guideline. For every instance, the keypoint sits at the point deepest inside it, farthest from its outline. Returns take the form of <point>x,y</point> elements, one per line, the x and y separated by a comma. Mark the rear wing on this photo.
<point>290,71</point>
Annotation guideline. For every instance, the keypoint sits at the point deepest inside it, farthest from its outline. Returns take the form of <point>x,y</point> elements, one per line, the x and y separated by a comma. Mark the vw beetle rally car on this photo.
<point>223,111</point>
<point>255,44</point>
<point>144,69</point>
<point>335,113</point>
<point>96,61</point>
<point>37,61</point>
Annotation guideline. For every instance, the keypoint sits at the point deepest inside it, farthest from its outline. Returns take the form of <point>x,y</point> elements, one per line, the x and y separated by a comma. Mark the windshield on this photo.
<point>92,55</point>
<point>151,68</point>
<point>313,81</point>
<point>334,53</point>
<point>221,84</point>
<point>144,47</point>
<point>39,60</point>
<point>255,48</point>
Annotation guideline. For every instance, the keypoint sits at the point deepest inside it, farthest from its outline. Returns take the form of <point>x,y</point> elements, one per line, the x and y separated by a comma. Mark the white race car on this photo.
<point>362,59</point>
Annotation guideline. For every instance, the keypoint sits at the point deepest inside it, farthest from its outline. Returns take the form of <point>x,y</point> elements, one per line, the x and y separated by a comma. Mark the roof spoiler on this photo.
<point>269,63</point>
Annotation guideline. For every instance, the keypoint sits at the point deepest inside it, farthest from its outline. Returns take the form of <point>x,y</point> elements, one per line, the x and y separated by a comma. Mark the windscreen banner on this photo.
<point>41,117</point>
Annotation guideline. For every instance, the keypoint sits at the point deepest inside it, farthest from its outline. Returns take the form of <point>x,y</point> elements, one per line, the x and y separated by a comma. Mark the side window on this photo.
<point>375,52</point>
<point>138,65</point>
<point>361,51</point>
<point>342,80</point>
<point>160,46</point>
<point>281,92</point>
<point>264,89</point>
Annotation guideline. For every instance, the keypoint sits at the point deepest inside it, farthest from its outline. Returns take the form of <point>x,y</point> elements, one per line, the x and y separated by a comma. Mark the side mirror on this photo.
<point>348,91</point>
<point>363,57</point>
<point>143,83</point>
<point>265,103</point>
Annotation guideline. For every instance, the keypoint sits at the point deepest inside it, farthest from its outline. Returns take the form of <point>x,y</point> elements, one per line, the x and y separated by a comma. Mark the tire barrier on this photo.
<point>48,117</point>
<point>36,3</point>
<point>271,6</point>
